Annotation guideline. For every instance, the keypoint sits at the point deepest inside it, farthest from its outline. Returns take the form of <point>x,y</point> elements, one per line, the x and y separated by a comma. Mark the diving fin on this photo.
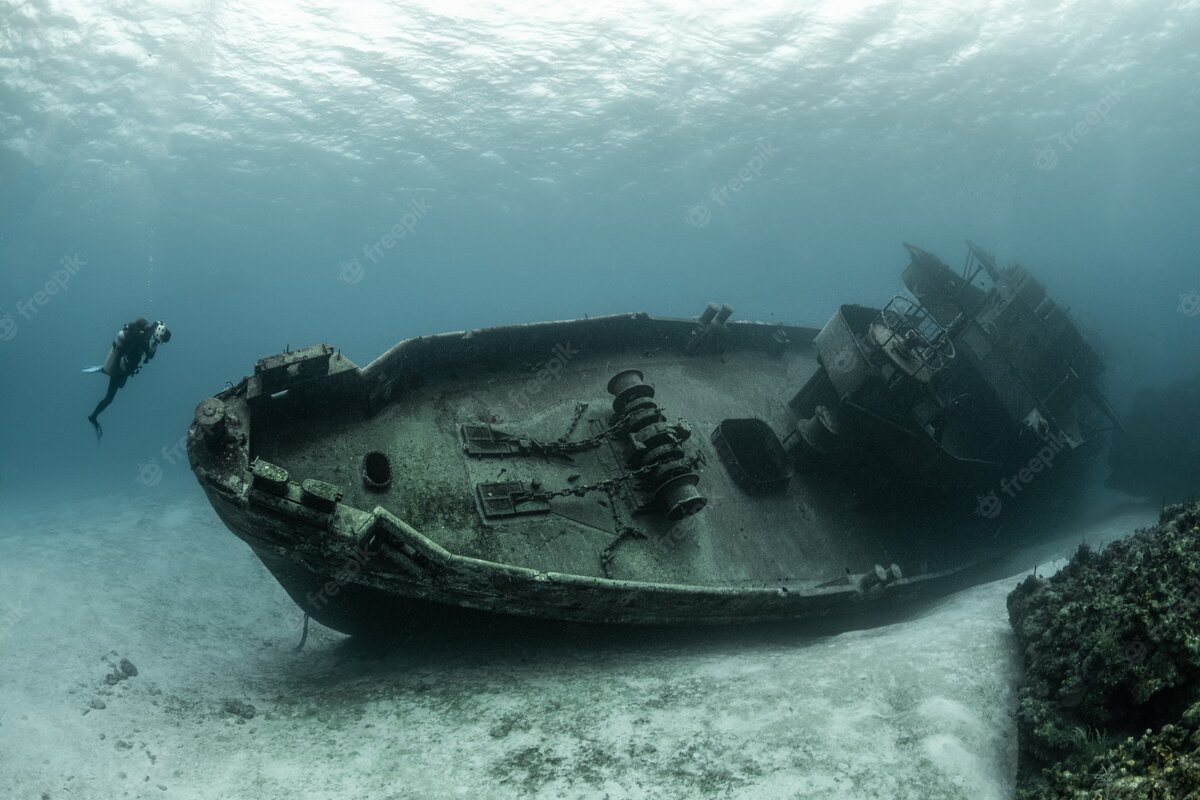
<point>92,370</point>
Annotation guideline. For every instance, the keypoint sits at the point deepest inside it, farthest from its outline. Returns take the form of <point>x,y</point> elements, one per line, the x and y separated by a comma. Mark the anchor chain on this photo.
<point>580,408</point>
<point>653,442</point>
<point>608,486</point>
<point>561,446</point>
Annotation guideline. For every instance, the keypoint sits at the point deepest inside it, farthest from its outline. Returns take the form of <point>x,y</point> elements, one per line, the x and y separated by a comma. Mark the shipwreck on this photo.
<point>632,469</point>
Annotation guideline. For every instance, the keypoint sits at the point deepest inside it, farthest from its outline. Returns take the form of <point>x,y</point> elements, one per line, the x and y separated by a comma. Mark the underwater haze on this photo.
<point>266,175</point>
<point>237,169</point>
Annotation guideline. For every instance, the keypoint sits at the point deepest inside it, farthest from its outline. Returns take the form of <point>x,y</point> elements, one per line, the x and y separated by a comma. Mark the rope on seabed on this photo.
<point>303,636</point>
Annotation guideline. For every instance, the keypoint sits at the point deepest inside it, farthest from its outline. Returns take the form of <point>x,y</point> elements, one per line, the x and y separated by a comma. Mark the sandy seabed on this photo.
<point>223,705</point>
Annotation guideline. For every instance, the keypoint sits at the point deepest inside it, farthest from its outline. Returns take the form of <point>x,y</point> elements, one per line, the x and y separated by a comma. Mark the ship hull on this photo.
<point>338,593</point>
<point>578,530</point>
<point>641,470</point>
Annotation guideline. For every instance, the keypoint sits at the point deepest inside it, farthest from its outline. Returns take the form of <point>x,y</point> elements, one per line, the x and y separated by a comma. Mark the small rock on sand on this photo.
<point>239,709</point>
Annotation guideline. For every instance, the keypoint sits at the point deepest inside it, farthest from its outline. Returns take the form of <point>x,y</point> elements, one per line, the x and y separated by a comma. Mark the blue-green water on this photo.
<point>235,169</point>
<point>268,174</point>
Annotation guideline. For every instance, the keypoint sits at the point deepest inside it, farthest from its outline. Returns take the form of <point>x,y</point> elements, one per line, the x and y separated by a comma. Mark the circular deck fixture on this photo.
<point>211,417</point>
<point>376,471</point>
<point>679,496</point>
<point>627,386</point>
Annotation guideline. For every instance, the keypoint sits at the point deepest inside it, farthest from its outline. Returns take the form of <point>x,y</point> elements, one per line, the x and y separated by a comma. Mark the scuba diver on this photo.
<point>136,344</point>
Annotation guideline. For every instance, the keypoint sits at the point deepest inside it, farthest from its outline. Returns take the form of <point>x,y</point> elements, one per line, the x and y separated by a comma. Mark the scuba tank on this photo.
<point>110,362</point>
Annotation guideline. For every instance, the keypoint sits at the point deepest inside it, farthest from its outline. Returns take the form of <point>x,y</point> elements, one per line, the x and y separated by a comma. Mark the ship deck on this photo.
<point>819,528</point>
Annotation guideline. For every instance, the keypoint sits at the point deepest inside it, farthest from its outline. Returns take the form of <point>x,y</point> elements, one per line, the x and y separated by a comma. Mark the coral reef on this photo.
<point>1110,707</point>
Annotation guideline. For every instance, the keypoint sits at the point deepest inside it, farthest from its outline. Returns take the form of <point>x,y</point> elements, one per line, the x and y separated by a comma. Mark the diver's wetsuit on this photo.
<point>132,345</point>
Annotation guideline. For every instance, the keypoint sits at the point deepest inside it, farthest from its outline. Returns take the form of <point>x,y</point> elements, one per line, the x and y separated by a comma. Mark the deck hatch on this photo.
<point>484,440</point>
<point>509,499</point>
